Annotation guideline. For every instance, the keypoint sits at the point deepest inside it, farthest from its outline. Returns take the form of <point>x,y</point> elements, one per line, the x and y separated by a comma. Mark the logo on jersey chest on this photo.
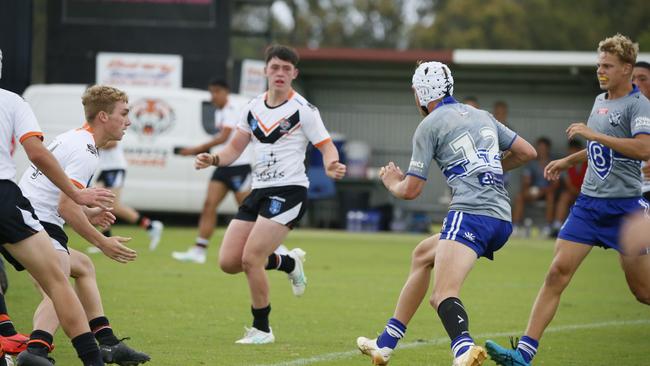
<point>92,149</point>
<point>615,118</point>
<point>602,158</point>
<point>285,126</point>
<point>253,123</point>
<point>603,110</point>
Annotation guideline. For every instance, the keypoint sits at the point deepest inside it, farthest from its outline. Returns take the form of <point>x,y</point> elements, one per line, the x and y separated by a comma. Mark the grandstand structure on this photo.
<point>365,94</point>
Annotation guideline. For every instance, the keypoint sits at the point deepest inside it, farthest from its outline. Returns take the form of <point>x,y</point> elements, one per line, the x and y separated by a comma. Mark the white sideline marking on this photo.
<point>565,328</point>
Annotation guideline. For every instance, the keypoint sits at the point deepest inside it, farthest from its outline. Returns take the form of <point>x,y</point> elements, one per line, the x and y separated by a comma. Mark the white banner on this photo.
<point>252,81</point>
<point>137,69</point>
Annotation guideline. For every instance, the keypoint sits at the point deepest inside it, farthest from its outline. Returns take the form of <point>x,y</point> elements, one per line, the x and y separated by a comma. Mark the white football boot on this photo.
<point>379,356</point>
<point>255,336</point>
<point>297,276</point>
<point>194,254</point>
<point>155,233</point>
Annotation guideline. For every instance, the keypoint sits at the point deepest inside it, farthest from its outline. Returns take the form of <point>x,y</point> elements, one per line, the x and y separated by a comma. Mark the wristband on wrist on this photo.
<point>215,159</point>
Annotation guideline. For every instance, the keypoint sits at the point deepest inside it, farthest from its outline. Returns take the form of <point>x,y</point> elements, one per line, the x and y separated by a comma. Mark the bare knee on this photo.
<point>642,296</point>
<point>82,266</point>
<point>423,254</point>
<point>230,265</point>
<point>641,293</point>
<point>248,261</point>
<point>210,206</point>
<point>558,277</point>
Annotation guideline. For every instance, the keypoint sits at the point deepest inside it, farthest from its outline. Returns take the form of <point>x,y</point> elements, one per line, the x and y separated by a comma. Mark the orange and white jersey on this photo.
<point>227,117</point>
<point>112,159</point>
<point>280,136</point>
<point>17,122</point>
<point>76,152</point>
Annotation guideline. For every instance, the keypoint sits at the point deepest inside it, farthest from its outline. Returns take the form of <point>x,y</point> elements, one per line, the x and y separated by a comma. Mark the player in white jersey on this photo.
<point>618,135</point>
<point>279,124</point>
<point>23,237</point>
<point>235,177</point>
<point>112,172</point>
<point>106,111</point>
<point>641,77</point>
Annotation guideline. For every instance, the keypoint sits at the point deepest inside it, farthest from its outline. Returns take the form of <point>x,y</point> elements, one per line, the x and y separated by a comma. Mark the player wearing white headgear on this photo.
<point>466,143</point>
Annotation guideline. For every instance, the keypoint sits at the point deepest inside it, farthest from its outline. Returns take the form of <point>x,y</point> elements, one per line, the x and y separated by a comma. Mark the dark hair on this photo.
<point>284,53</point>
<point>544,140</point>
<point>219,83</point>
<point>500,103</point>
<point>576,144</point>
<point>643,64</point>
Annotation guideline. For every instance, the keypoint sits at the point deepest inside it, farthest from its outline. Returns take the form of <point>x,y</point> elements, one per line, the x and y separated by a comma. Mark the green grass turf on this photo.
<point>188,314</point>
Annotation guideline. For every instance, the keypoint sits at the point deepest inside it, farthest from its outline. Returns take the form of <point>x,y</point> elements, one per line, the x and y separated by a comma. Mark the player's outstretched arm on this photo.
<point>519,154</point>
<point>218,139</point>
<point>554,168</point>
<point>46,163</point>
<point>226,156</point>
<point>333,168</point>
<point>98,217</point>
<point>112,247</point>
<point>637,147</point>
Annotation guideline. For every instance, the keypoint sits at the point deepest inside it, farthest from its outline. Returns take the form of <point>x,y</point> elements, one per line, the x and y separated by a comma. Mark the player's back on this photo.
<point>467,148</point>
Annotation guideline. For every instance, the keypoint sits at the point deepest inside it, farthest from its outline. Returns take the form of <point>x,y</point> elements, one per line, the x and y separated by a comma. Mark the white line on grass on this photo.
<point>564,328</point>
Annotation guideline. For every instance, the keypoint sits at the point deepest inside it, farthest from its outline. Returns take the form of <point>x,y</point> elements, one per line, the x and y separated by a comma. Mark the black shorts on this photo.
<point>17,218</point>
<point>284,205</point>
<point>58,236</point>
<point>237,178</point>
<point>113,178</point>
<point>646,195</point>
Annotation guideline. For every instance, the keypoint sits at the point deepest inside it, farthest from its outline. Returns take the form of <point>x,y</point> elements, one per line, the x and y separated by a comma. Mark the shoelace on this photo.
<point>514,342</point>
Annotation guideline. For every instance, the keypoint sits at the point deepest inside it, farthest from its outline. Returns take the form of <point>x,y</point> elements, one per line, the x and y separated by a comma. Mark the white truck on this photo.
<point>161,120</point>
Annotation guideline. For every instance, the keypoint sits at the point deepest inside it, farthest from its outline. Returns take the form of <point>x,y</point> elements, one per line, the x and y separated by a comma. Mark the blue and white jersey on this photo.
<point>466,143</point>
<point>611,174</point>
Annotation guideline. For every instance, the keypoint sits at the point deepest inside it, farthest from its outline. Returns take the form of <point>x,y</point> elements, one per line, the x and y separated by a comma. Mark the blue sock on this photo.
<point>393,332</point>
<point>461,344</point>
<point>527,347</point>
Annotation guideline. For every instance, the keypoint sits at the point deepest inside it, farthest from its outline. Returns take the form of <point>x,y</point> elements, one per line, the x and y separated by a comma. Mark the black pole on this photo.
<point>16,44</point>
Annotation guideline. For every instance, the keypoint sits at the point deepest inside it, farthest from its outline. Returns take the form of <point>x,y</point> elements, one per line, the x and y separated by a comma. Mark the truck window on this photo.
<point>207,118</point>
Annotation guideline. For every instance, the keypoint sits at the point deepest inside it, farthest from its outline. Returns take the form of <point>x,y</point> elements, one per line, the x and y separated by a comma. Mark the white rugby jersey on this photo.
<point>76,152</point>
<point>112,159</point>
<point>280,136</point>
<point>228,116</point>
<point>17,122</point>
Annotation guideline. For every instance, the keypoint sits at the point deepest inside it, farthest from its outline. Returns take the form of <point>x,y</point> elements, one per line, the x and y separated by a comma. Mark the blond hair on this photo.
<point>99,98</point>
<point>621,46</point>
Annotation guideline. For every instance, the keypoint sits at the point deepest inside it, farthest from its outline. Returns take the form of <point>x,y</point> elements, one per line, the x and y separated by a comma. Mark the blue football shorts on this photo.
<point>597,221</point>
<point>483,234</point>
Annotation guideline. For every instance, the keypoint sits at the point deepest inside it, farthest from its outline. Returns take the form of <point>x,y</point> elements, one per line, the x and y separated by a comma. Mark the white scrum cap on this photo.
<point>432,80</point>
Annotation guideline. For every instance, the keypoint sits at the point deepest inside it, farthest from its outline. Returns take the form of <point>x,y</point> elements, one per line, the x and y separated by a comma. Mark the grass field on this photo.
<point>188,314</point>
